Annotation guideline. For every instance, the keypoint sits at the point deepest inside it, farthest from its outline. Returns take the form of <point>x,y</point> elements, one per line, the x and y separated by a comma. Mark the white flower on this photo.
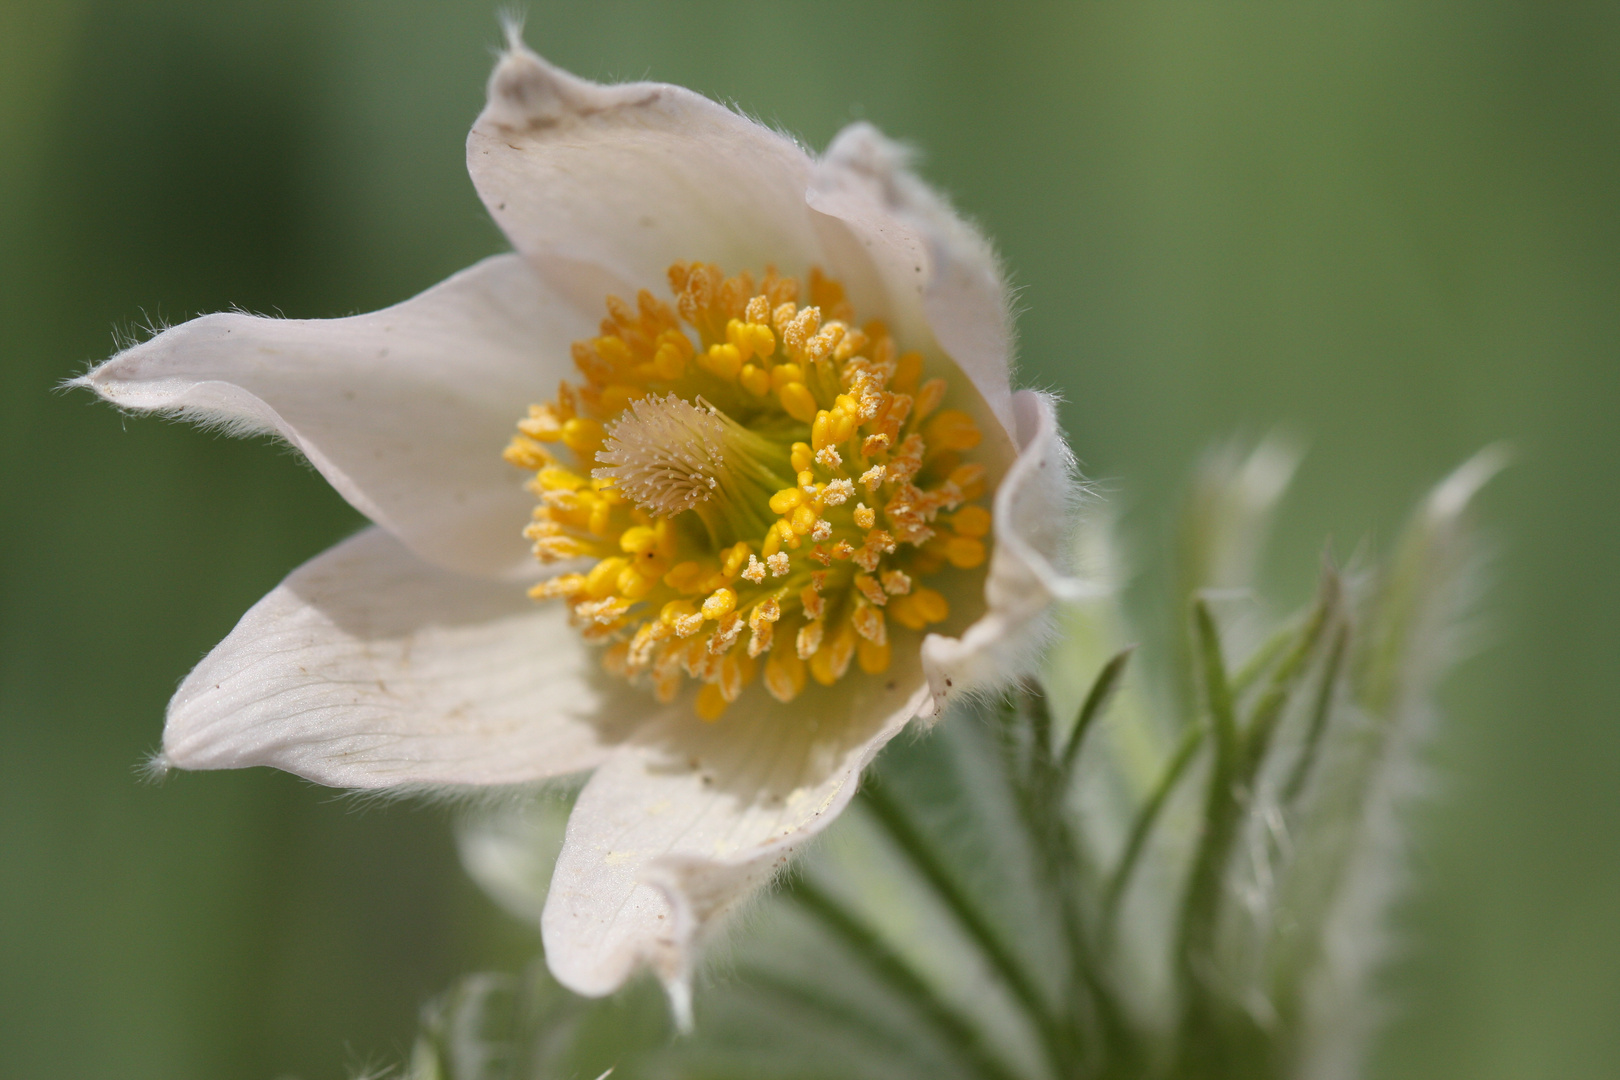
<point>409,656</point>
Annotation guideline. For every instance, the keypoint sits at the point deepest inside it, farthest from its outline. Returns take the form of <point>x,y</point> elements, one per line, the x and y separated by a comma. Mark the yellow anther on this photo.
<point>796,333</point>
<point>964,552</point>
<point>868,622</point>
<point>782,374</point>
<point>907,371</point>
<point>674,610</point>
<point>809,639</point>
<point>837,492</point>
<point>616,396</point>
<point>604,578</point>
<point>807,481</point>
<point>783,314</point>
<point>798,402</point>
<point>601,522</point>
<point>969,481</point>
<point>738,337</point>
<point>557,478</point>
<point>772,543</point>
<point>664,535</point>
<point>972,521</point>
<point>802,457</point>
<point>784,675</point>
<point>904,611</point>
<point>711,703</point>
<point>736,672</point>
<point>613,350</point>
<point>875,444</point>
<point>638,540</point>
<point>929,395</point>
<point>684,577</point>
<point>616,659</point>
<point>761,638</point>
<point>812,602</point>
<point>721,602</point>
<point>931,604</point>
<point>526,453</point>
<point>669,359</point>
<point>865,516</point>
<point>765,612</point>
<point>829,663</point>
<point>821,430</point>
<point>803,520</point>
<point>723,360</point>
<point>561,585</point>
<point>755,380</point>
<point>873,658</point>
<point>582,435</point>
<point>869,587</point>
<point>952,429</point>
<point>764,340</point>
<point>734,558</point>
<point>725,635</point>
<point>896,582</point>
<point>633,584</point>
<point>542,423</point>
<point>785,500</point>
<point>666,686</point>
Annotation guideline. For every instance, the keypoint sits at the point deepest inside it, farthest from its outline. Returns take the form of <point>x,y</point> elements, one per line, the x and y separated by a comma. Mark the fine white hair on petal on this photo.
<point>369,668</point>
<point>891,233</point>
<point>1034,521</point>
<point>664,453</point>
<point>632,178</point>
<point>403,410</point>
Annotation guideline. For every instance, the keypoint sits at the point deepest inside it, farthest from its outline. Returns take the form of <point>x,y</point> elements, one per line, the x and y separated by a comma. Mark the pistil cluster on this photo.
<point>760,504</point>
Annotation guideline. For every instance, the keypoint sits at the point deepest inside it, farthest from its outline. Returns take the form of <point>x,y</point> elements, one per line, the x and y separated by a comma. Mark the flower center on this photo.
<point>761,504</point>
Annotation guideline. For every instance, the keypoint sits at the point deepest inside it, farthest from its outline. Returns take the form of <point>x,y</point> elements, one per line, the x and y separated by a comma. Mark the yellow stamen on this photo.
<point>709,464</point>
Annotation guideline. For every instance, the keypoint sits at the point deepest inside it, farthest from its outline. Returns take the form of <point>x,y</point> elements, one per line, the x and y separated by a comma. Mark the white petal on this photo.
<point>632,178</point>
<point>939,275</point>
<point>369,668</point>
<point>685,823</point>
<point>1034,521</point>
<point>405,410</point>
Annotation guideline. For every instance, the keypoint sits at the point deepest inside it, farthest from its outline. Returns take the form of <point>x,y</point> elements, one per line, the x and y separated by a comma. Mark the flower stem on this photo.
<point>889,966</point>
<point>1142,827</point>
<point>909,840</point>
<point>1097,700</point>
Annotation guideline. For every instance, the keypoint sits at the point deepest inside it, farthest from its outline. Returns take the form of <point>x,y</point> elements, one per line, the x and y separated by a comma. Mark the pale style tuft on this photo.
<point>664,454</point>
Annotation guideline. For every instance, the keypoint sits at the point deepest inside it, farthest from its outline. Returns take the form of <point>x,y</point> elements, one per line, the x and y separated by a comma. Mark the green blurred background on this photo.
<point>1391,229</point>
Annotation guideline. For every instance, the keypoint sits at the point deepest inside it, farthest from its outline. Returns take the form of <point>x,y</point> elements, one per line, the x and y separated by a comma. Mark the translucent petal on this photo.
<point>369,668</point>
<point>680,827</point>
<point>405,410</point>
<point>634,177</point>
<point>1033,523</point>
<point>887,231</point>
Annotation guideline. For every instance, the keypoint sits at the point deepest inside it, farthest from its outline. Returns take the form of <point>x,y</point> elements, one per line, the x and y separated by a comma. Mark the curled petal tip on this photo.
<point>526,92</point>
<point>867,152</point>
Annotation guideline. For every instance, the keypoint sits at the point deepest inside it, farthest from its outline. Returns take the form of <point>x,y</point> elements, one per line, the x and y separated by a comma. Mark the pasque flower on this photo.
<point>780,501</point>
